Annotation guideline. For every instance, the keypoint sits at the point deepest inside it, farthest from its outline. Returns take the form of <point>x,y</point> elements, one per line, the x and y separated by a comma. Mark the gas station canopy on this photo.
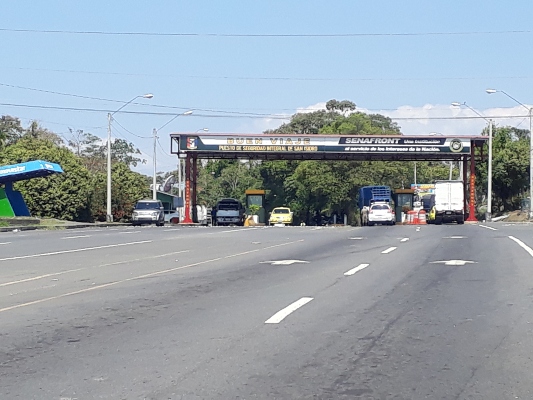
<point>28,170</point>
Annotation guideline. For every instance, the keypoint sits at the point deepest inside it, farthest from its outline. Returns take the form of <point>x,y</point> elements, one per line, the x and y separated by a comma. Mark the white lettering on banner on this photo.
<point>395,149</point>
<point>12,170</point>
<point>372,140</point>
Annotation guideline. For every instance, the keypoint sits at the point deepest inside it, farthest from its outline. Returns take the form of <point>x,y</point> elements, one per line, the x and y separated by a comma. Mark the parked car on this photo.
<point>281,215</point>
<point>148,212</point>
<point>381,213</point>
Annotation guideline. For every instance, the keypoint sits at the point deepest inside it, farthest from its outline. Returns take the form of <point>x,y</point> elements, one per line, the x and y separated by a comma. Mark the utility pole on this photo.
<point>154,177</point>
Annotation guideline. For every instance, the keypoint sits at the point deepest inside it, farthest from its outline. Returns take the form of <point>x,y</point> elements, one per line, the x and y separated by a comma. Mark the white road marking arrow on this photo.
<point>285,262</point>
<point>454,262</point>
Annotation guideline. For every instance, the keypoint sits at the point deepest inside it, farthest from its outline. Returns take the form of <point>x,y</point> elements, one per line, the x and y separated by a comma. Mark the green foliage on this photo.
<point>359,123</point>
<point>127,187</point>
<point>125,152</point>
<point>237,178</point>
<point>63,196</point>
<point>342,106</point>
<point>510,168</point>
<point>10,130</point>
<point>307,123</point>
<point>254,209</point>
<point>35,131</point>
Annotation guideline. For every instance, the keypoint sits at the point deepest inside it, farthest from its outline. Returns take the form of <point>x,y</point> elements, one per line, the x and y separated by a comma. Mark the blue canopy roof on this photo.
<point>28,170</point>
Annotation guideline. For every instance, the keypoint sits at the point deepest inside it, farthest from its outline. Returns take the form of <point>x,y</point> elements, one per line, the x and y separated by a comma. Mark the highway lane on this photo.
<point>405,326</point>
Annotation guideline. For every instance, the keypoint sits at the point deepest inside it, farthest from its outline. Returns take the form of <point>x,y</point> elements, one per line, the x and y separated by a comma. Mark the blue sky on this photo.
<point>243,66</point>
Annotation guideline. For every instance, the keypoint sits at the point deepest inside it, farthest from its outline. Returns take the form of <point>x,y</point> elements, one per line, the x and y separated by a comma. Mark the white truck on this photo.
<point>449,202</point>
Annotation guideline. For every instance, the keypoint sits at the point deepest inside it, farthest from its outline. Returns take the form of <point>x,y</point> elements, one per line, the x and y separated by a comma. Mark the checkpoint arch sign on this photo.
<point>192,146</point>
<point>321,147</point>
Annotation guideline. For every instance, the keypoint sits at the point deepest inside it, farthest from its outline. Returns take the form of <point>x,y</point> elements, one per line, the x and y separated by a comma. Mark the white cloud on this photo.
<point>438,118</point>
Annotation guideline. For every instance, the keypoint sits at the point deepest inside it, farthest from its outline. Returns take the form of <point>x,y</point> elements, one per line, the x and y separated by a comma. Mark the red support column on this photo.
<point>187,219</point>
<point>194,178</point>
<point>472,199</point>
<point>465,181</point>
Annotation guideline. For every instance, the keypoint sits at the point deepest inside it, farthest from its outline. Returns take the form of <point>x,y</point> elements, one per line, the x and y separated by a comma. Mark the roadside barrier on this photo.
<point>412,217</point>
<point>422,217</point>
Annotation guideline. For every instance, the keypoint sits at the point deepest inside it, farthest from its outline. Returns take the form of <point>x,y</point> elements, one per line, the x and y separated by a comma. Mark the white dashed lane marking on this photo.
<point>356,269</point>
<point>282,314</point>
<point>387,251</point>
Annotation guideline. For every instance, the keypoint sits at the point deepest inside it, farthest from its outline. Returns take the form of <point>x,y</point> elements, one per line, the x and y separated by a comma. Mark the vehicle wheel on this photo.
<point>370,223</point>
<point>438,221</point>
<point>461,221</point>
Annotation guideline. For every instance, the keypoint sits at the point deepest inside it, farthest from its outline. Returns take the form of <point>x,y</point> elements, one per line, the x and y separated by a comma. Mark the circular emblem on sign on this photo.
<point>456,145</point>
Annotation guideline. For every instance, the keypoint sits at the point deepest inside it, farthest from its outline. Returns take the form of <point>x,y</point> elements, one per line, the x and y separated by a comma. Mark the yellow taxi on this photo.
<point>280,215</point>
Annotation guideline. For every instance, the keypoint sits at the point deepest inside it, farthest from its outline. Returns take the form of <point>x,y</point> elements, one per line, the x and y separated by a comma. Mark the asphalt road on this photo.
<point>403,312</point>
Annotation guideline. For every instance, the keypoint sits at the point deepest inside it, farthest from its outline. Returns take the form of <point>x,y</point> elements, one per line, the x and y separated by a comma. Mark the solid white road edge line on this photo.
<point>388,250</point>
<point>356,269</point>
<point>488,227</point>
<point>74,250</point>
<point>523,245</point>
<point>94,266</point>
<point>282,314</point>
<point>148,275</point>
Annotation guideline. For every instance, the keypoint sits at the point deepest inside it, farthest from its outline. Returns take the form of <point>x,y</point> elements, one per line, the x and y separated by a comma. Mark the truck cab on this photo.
<point>229,212</point>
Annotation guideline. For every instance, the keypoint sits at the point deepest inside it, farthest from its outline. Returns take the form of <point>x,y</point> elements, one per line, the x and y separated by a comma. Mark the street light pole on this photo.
<point>488,214</point>
<point>109,212</point>
<point>154,176</point>
<point>530,112</point>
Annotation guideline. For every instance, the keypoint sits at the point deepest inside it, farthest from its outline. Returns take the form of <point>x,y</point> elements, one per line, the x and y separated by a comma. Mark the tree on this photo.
<point>306,123</point>
<point>510,167</point>
<point>35,131</point>
<point>342,106</point>
<point>124,152</point>
<point>127,187</point>
<point>237,178</point>
<point>359,123</point>
<point>10,130</point>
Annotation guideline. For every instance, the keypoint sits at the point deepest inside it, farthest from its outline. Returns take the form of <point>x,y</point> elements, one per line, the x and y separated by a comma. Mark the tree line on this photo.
<point>307,187</point>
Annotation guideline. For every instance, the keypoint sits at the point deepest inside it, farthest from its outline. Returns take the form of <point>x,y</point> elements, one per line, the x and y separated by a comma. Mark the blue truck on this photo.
<point>369,195</point>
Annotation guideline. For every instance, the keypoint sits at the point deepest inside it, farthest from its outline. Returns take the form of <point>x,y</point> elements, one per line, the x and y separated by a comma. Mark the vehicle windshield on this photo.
<point>281,211</point>
<point>147,205</point>
<point>228,206</point>
<point>380,207</point>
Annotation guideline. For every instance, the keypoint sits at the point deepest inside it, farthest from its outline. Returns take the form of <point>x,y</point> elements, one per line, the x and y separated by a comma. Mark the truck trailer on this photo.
<point>449,203</point>
<point>369,195</point>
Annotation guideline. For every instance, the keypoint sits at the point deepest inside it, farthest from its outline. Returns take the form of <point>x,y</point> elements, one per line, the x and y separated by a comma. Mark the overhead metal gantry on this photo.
<point>191,147</point>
